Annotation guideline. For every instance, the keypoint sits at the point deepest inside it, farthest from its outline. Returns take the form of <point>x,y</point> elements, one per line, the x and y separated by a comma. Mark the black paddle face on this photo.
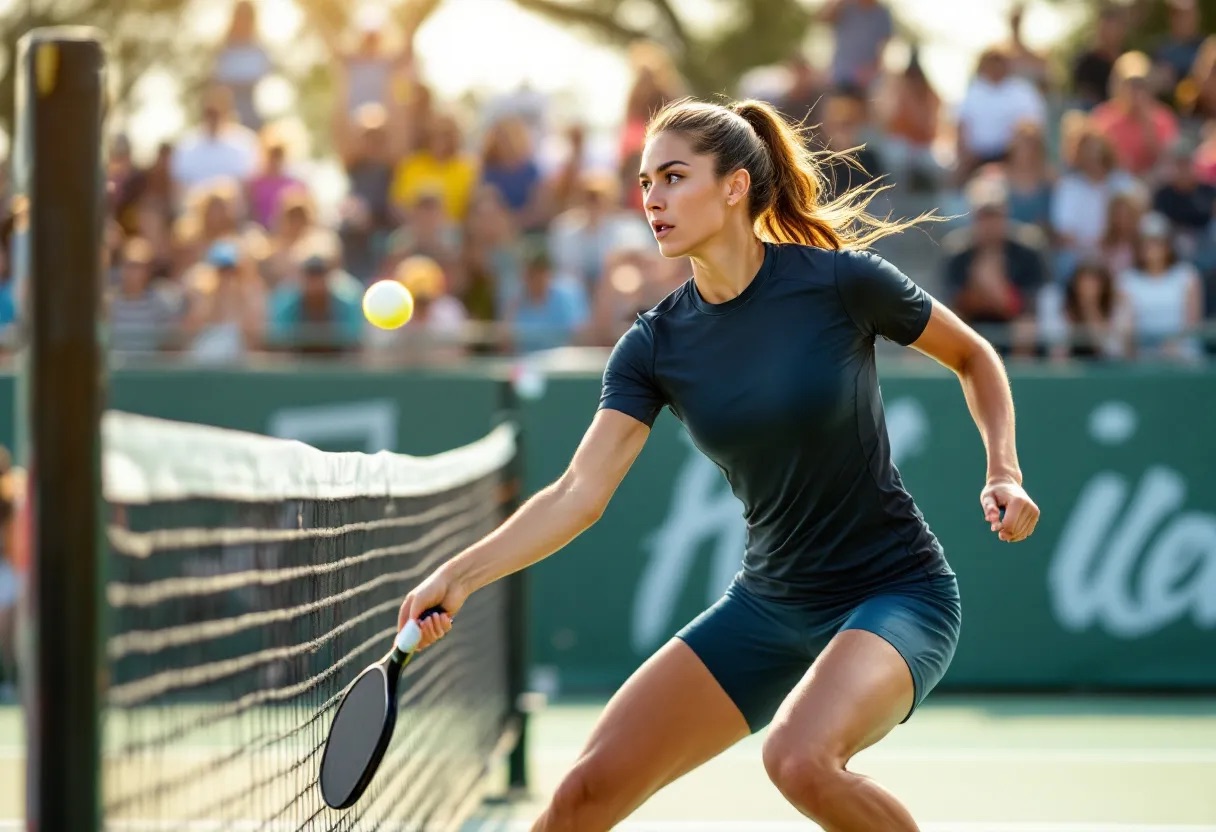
<point>359,735</point>
<point>362,729</point>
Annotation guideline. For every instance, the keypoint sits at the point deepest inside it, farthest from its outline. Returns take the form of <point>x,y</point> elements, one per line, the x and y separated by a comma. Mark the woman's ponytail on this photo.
<point>788,187</point>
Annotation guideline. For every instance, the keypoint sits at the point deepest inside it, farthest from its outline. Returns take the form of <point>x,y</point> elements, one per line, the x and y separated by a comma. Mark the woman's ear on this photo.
<point>737,186</point>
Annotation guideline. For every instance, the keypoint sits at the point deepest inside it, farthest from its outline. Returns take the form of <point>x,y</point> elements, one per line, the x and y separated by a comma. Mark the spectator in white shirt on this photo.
<point>995,103</point>
<point>1082,198</point>
<point>219,148</point>
<point>1164,296</point>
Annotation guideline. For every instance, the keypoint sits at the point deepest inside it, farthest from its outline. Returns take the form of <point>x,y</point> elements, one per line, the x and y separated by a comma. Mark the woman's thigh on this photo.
<point>668,718</point>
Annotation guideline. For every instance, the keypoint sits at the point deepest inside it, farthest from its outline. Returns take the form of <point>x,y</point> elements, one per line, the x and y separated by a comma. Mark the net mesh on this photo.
<point>249,581</point>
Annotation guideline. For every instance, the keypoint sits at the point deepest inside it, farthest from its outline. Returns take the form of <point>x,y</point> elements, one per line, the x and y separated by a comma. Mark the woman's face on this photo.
<point>685,201</point>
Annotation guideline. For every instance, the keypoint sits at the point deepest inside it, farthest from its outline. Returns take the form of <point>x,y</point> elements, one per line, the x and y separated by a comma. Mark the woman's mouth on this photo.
<point>661,229</point>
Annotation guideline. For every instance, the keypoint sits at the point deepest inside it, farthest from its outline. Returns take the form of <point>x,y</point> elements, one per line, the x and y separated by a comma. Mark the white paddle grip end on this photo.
<point>409,637</point>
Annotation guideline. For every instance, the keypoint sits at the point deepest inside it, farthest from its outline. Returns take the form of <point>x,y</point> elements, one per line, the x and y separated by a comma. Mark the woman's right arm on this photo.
<point>545,523</point>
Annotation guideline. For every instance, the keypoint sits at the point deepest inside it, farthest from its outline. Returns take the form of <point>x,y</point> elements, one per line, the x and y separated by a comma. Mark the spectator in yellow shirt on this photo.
<point>441,165</point>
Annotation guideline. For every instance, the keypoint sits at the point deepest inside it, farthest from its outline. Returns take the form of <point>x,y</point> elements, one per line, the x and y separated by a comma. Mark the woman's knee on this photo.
<point>588,791</point>
<point>807,773</point>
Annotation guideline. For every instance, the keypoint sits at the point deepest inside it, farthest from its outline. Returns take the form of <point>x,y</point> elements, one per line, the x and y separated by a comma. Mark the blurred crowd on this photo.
<point>1082,199</point>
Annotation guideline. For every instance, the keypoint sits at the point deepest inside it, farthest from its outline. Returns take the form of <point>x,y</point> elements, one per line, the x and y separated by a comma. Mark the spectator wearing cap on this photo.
<point>440,165</point>
<point>319,313</point>
<point>1139,127</point>
<point>220,148</point>
<point>225,307</point>
<point>861,30</point>
<point>141,318</point>
<point>994,104</point>
<point>1092,68</point>
<point>550,309</point>
<point>995,269</point>
<point>1164,296</point>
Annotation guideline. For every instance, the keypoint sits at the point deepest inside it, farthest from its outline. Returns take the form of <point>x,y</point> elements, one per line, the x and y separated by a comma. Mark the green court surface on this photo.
<point>990,764</point>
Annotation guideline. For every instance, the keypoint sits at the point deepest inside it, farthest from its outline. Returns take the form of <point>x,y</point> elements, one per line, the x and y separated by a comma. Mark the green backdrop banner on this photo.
<point>1117,588</point>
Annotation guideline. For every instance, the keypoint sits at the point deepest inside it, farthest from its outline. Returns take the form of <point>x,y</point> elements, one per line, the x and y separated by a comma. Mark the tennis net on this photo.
<point>249,580</point>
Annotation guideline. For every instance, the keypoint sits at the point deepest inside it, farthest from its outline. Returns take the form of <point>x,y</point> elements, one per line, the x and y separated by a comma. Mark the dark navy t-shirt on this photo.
<point>779,388</point>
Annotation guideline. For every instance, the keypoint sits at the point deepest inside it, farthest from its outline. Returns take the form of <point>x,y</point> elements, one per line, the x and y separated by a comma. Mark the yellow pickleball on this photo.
<point>387,304</point>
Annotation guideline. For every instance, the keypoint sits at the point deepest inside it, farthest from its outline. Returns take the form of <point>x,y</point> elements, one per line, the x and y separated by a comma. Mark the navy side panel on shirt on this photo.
<point>779,387</point>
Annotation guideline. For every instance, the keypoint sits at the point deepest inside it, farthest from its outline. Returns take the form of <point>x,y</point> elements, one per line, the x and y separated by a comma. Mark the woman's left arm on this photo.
<point>954,345</point>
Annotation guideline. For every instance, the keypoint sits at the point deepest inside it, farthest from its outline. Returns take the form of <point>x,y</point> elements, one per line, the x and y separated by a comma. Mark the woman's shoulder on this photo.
<point>669,303</point>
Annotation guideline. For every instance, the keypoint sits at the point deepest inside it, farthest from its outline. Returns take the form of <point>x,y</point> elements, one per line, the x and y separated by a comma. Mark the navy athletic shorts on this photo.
<point>758,648</point>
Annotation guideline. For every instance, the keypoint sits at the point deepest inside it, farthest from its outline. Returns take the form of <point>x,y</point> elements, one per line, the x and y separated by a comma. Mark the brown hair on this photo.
<point>1106,297</point>
<point>788,188</point>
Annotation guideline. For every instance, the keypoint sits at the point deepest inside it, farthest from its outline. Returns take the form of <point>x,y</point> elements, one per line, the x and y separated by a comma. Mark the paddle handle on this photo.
<point>411,633</point>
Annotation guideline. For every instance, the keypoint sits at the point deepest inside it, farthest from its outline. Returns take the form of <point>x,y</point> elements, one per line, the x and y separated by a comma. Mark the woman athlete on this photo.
<point>845,613</point>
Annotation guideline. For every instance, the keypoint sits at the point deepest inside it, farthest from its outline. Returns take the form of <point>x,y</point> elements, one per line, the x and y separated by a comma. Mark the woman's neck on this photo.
<point>727,264</point>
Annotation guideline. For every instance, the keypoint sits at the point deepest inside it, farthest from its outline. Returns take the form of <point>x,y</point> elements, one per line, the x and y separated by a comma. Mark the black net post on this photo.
<point>518,600</point>
<point>57,168</point>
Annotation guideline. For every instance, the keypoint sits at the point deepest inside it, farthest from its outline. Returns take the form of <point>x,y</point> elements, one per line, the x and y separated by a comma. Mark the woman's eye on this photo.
<point>672,178</point>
